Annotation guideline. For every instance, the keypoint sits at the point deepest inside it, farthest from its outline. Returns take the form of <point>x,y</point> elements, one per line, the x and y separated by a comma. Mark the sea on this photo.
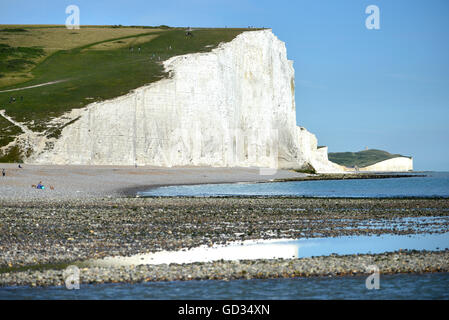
<point>400,286</point>
<point>423,184</point>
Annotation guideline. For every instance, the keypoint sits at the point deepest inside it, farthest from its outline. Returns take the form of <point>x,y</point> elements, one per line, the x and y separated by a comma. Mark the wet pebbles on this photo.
<point>39,237</point>
<point>388,263</point>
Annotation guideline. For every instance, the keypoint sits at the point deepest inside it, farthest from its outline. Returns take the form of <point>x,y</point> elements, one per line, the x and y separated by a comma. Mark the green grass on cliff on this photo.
<point>361,159</point>
<point>101,69</point>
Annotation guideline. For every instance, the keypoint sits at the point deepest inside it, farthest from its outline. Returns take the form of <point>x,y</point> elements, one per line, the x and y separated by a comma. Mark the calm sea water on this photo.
<point>425,286</point>
<point>434,184</point>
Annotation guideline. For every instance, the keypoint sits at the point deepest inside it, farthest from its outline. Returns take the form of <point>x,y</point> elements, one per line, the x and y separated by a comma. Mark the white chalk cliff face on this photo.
<point>395,164</point>
<point>232,107</point>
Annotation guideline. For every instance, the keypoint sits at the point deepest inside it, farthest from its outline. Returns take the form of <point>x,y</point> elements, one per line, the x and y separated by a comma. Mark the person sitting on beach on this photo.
<point>3,172</point>
<point>40,186</point>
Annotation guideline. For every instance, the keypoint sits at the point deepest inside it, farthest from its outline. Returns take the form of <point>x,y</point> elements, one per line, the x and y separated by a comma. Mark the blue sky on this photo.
<point>356,88</point>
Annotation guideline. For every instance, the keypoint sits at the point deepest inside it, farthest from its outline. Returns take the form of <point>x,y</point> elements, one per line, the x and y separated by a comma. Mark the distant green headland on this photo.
<point>362,158</point>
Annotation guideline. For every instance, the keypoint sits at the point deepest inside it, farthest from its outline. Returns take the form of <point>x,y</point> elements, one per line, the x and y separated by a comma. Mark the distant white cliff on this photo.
<point>395,164</point>
<point>231,107</point>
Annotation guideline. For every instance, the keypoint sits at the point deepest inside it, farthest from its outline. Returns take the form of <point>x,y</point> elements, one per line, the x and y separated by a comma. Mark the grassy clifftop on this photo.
<point>67,69</point>
<point>361,159</point>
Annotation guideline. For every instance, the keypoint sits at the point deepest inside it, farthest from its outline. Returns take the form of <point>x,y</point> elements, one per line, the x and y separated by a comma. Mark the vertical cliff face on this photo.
<point>398,164</point>
<point>234,106</point>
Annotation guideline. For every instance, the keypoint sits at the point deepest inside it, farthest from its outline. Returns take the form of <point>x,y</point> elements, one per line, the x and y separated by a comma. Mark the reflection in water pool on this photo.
<point>286,249</point>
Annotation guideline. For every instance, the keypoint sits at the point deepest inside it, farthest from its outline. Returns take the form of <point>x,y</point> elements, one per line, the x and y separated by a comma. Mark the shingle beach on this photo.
<point>42,233</point>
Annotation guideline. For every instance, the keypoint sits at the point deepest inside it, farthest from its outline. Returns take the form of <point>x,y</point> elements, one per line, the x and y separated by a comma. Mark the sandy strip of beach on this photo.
<point>108,181</point>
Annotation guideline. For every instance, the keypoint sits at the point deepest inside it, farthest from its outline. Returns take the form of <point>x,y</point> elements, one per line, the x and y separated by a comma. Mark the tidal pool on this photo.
<point>285,249</point>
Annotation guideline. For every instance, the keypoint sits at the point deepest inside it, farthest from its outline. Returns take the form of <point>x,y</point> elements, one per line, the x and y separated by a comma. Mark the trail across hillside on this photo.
<point>36,85</point>
<point>20,125</point>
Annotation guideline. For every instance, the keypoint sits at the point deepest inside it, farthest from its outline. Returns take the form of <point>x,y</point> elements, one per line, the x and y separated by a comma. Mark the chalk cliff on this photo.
<point>231,107</point>
<point>395,165</point>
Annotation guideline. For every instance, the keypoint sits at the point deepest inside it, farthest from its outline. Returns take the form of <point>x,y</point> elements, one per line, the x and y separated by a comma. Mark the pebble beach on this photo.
<point>42,235</point>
